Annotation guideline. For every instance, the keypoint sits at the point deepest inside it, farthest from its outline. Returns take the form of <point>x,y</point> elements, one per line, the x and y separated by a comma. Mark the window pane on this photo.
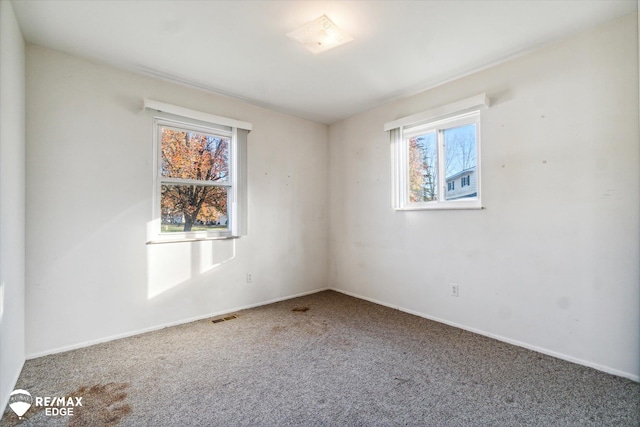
<point>194,155</point>
<point>423,164</point>
<point>193,208</point>
<point>460,154</point>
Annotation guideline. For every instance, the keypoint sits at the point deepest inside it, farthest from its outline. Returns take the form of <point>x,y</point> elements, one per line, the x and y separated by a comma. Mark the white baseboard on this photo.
<point>166,325</point>
<point>537,349</point>
<point>597,366</point>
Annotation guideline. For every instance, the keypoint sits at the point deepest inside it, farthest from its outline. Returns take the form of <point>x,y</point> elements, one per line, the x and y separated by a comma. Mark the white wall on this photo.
<point>552,262</point>
<point>90,275</point>
<point>12,201</point>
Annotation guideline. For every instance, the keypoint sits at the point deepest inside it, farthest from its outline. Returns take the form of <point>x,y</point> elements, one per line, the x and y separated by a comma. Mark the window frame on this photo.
<point>438,120</point>
<point>230,184</point>
<point>236,131</point>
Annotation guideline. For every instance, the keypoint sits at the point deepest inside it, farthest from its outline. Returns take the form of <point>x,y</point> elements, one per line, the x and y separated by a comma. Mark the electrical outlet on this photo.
<point>249,278</point>
<point>455,292</point>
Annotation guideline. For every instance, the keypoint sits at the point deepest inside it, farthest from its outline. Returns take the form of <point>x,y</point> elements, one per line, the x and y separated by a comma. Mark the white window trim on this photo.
<point>473,103</point>
<point>176,110</point>
<point>458,113</point>
<point>237,182</point>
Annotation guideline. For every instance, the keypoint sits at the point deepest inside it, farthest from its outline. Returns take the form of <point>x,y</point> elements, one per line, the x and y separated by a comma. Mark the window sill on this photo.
<point>189,239</point>
<point>440,207</point>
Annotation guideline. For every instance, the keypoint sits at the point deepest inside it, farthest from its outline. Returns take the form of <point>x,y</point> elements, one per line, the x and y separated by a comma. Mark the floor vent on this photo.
<point>222,319</point>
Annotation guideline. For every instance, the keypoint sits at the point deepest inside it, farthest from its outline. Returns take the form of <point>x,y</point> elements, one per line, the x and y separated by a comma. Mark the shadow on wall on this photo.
<point>171,264</point>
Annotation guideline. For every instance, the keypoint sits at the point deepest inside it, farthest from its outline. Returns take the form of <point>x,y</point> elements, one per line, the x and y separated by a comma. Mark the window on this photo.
<point>431,151</point>
<point>194,178</point>
<point>200,177</point>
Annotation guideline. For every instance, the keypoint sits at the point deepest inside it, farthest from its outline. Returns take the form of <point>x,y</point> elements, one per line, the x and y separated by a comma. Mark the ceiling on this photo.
<point>240,48</point>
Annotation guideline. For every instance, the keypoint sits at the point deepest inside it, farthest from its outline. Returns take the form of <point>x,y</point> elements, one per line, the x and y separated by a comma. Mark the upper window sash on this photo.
<point>211,131</point>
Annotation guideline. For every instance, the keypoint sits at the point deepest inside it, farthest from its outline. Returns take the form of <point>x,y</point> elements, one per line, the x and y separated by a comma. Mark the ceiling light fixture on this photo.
<point>320,34</point>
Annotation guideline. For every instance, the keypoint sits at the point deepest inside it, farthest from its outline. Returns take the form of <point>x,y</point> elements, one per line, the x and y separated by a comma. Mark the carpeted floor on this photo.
<point>326,359</point>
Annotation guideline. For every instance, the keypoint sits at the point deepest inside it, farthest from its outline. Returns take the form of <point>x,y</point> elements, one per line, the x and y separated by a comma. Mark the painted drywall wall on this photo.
<point>12,201</point>
<point>551,263</point>
<point>90,275</point>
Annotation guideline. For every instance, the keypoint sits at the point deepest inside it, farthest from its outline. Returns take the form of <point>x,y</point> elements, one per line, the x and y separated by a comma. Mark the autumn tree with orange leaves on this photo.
<point>200,157</point>
<point>422,172</point>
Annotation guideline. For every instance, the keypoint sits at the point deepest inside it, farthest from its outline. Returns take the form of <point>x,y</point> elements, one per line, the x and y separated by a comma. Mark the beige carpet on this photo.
<point>328,360</point>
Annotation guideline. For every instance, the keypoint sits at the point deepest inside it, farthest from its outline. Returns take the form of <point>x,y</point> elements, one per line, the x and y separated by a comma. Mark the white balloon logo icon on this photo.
<point>20,402</point>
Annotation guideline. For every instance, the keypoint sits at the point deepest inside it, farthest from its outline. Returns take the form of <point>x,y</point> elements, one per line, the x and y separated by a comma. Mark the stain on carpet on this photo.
<point>338,342</point>
<point>102,405</point>
<point>306,327</point>
<point>300,309</point>
<point>310,327</point>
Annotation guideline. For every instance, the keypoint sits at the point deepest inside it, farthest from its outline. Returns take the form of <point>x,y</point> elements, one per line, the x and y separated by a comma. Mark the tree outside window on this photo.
<point>195,179</point>
<point>460,153</point>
